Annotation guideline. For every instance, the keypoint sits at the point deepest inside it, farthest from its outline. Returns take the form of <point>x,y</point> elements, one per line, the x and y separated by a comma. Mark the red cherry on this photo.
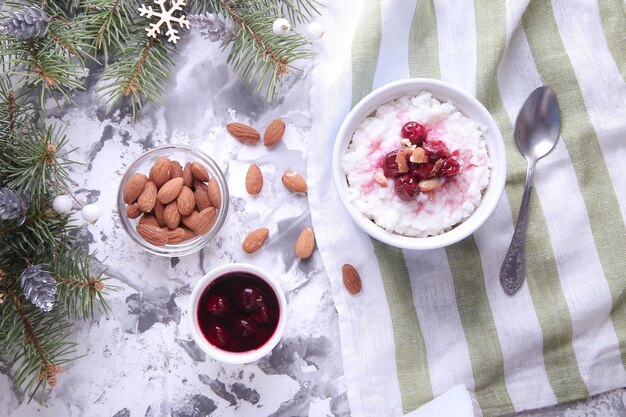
<point>217,304</point>
<point>262,315</point>
<point>414,132</point>
<point>421,171</point>
<point>406,187</point>
<point>390,166</point>
<point>244,327</point>
<point>218,335</point>
<point>436,149</point>
<point>450,168</point>
<point>247,298</point>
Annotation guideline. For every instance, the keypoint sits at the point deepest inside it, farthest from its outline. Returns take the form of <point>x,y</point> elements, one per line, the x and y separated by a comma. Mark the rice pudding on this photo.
<point>418,166</point>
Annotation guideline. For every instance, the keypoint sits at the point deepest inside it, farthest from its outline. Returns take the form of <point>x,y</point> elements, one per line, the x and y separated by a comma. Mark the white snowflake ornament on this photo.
<point>165,16</point>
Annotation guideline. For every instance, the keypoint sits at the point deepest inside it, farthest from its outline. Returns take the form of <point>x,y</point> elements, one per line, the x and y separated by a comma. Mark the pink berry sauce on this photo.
<point>238,312</point>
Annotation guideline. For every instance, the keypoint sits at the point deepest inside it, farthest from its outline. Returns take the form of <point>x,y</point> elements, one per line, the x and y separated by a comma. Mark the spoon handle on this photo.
<point>514,266</point>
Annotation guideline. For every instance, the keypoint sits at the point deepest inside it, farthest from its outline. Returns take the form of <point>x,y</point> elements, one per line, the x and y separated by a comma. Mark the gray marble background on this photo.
<point>140,359</point>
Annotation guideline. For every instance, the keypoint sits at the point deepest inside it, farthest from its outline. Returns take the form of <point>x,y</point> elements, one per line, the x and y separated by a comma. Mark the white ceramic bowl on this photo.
<point>469,106</point>
<point>224,355</point>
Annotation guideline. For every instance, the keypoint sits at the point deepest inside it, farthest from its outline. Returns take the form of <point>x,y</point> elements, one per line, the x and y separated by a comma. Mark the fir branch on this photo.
<point>107,24</point>
<point>11,109</point>
<point>138,69</point>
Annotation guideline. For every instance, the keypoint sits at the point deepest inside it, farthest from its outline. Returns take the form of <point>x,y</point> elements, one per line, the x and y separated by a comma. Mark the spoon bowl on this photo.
<point>537,129</point>
<point>538,124</point>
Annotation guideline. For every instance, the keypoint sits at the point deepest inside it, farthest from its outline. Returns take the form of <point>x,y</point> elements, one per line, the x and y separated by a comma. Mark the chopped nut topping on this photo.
<point>380,178</point>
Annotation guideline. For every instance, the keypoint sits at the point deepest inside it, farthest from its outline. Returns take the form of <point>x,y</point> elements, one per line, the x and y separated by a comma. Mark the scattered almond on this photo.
<point>186,201</point>
<point>380,178</point>
<point>199,172</point>
<point>274,132</point>
<point>152,234</point>
<point>436,168</point>
<point>187,175</point>
<point>172,215</point>
<point>351,279</point>
<point>418,156</point>
<point>305,245</point>
<point>402,160</point>
<point>294,181</point>
<point>244,133</point>
<point>170,191</point>
<point>255,240</point>
<point>254,180</point>
<point>429,184</point>
<point>176,170</point>
<point>175,236</point>
<point>149,219</point>
<point>160,172</point>
<point>159,213</point>
<point>205,220</point>
<point>133,211</point>
<point>134,187</point>
<point>215,196</point>
<point>202,199</point>
<point>148,197</point>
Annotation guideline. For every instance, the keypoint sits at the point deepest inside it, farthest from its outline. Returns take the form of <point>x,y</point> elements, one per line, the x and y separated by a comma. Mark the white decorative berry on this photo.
<point>62,204</point>
<point>281,27</point>
<point>165,16</point>
<point>314,31</point>
<point>91,213</point>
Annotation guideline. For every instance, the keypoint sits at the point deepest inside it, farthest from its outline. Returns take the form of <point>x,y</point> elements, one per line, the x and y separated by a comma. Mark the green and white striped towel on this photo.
<point>426,321</point>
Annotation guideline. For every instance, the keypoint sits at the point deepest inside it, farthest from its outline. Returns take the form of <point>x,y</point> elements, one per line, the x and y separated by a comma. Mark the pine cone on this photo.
<point>214,27</point>
<point>39,286</point>
<point>26,22</point>
<point>12,205</point>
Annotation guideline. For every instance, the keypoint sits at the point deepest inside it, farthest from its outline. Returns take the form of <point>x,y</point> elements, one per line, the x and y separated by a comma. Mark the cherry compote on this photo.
<point>238,312</point>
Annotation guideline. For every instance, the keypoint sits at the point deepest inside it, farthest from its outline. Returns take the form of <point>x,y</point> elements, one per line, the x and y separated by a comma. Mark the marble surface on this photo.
<point>140,359</point>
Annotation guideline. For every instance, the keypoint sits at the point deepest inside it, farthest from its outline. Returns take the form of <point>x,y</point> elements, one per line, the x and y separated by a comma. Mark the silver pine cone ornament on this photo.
<point>214,27</point>
<point>27,22</point>
<point>13,206</point>
<point>39,286</point>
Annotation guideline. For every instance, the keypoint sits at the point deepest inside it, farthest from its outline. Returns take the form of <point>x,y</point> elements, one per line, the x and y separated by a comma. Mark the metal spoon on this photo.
<point>536,133</point>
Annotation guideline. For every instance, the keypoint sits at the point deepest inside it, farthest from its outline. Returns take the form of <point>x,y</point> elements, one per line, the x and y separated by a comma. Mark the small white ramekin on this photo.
<point>224,355</point>
<point>469,106</point>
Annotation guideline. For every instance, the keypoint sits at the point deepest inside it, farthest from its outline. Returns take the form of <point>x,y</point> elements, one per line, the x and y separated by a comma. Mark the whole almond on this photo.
<point>159,213</point>
<point>274,133</point>
<point>152,234</point>
<point>244,133</point>
<point>187,175</point>
<point>175,236</point>
<point>202,200</point>
<point>133,211</point>
<point>189,234</point>
<point>176,170</point>
<point>215,196</point>
<point>186,201</point>
<point>148,197</point>
<point>254,180</point>
<point>190,221</point>
<point>134,187</point>
<point>205,220</point>
<point>255,240</point>
<point>172,215</point>
<point>160,172</point>
<point>149,219</point>
<point>305,245</point>
<point>199,172</point>
<point>351,279</point>
<point>170,190</point>
<point>199,184</point>
<point>294,181</point>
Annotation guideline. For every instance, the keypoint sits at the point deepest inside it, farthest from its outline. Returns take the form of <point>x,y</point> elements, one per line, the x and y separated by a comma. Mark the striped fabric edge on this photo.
<point>613,17</point>
<point>607,225</point>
